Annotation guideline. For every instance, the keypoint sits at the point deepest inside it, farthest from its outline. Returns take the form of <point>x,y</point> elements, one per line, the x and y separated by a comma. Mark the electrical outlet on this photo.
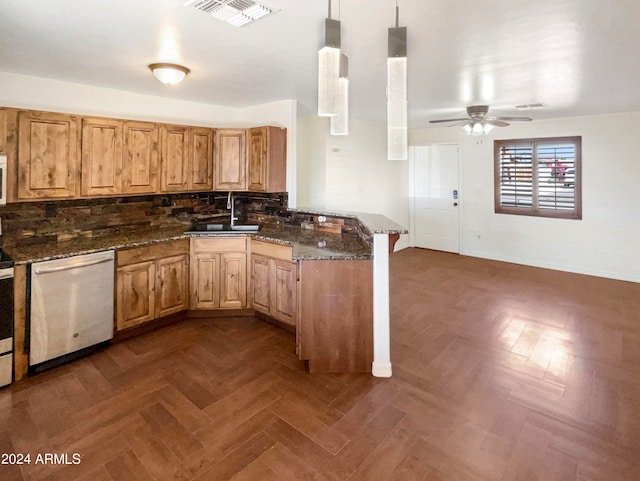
<point>322,218</point>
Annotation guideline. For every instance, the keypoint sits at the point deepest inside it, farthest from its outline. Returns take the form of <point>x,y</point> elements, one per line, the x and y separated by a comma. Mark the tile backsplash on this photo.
<point>38,222</point>
<point>28,223</point>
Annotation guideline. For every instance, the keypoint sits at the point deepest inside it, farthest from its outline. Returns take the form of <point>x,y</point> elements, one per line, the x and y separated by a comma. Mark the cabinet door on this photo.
<point>135,294</point>
<point>175,158</point>
<point>267,159</point>
<point>3,130</point>
<point>172,285</point>
<point>101,157</point>
<point>201,159</point>
<point>260,282</point>
<point>205,281</point>
<point>48,149</point>
<point>140,168</point>
<point>284,289</point>
<point>231,159</point>
<point>258,159</point>
<point>233,280</point>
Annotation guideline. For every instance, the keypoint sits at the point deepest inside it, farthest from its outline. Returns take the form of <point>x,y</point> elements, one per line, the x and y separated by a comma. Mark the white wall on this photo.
<point>312,155</point>
<point>606,242</point>
<point>355,174</point>
<point>45,94</point>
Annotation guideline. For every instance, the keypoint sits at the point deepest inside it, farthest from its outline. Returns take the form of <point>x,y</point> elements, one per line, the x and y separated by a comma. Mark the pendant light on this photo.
<point>340,122</point>
<point>397,141</point>
<point>329,68</point>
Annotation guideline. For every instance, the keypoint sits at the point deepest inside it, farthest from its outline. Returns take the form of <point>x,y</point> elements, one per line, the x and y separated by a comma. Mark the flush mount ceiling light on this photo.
<point>169,73</point>
<point>397,148</point>
<point>235,12</point>
<point>329,68</point>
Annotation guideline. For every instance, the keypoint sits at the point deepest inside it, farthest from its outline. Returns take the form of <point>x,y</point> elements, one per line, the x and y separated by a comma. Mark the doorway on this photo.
<point>434,197</point>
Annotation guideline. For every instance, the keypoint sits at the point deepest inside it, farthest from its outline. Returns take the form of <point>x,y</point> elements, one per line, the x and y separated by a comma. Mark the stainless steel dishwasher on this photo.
<point>71,309</point>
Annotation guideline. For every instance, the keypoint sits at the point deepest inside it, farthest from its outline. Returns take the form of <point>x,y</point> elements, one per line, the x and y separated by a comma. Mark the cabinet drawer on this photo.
<point>152,252</point>
<point>219,244</point>
<point>270,249</point>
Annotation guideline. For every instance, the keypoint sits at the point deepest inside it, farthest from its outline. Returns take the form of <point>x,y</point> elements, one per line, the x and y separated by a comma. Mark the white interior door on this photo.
<point>435,216</point>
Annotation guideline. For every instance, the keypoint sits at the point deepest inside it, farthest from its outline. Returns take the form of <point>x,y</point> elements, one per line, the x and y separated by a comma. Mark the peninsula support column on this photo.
<point>381,366</point>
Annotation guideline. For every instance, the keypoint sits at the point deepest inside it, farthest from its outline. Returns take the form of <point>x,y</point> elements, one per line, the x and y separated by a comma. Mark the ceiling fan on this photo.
<point>479,122</point>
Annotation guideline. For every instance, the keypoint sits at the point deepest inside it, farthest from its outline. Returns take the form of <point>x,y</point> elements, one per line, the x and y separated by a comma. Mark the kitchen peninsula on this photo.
<point>80,185</point>
<point>335,298</point>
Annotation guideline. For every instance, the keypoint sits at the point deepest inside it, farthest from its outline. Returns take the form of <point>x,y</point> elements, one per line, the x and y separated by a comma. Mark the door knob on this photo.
<point>455,204</point>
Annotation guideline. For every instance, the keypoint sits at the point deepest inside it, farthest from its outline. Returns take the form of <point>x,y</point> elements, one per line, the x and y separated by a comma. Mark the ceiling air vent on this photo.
<point>538,105</point>
<point>235,12</point>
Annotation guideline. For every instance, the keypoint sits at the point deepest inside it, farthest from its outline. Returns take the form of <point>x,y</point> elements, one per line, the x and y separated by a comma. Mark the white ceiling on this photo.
<point>579,57</point>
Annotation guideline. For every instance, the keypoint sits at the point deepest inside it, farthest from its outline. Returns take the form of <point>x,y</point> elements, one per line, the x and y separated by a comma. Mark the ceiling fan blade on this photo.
<point>512,119</point>
<point>448,120</point>
<point>460,123</point>
<point>497,123</point>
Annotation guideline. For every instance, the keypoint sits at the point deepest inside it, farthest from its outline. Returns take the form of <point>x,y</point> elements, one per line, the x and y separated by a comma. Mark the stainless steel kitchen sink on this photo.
<point>213,228</point>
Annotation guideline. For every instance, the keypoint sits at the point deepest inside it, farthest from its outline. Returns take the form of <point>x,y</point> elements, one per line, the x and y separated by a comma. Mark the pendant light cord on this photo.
<point>397,14</point>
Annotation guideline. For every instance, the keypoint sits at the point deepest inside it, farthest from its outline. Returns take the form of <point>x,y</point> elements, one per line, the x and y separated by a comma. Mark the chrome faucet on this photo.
<point>231,206</point>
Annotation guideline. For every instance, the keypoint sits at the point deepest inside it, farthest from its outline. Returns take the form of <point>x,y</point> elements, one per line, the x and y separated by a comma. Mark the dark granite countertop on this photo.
<point>376,223</point>
<point>307,244</point>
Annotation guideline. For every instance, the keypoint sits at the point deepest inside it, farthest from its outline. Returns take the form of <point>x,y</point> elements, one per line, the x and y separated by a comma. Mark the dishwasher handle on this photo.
<point>49,270</point>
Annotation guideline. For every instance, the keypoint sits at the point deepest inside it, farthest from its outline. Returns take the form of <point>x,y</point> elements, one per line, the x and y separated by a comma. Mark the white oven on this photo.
<point>3,179</point>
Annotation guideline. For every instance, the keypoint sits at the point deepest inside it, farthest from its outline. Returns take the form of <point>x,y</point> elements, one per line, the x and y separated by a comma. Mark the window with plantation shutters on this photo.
<point>538,177</point>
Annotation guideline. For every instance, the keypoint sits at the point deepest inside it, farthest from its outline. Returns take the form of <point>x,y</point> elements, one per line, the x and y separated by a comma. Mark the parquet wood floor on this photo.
<point>501,372</point>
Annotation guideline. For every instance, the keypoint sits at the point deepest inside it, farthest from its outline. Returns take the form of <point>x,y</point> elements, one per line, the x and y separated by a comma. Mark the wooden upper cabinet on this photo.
<point>101,157</point>
<point>230,159</point>
<point>140,165</point>
<point>187,158</point>
<point>8,147</point>
<point>200,159</point>
<point>267,159</point>
<point>48,151</point>
<point>175,158</point>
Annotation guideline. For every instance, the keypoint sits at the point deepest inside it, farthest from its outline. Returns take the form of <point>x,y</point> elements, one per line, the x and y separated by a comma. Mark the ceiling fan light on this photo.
<point>467,128</point>
<point>486,128</point>
<point>169,73</point>
<point>477,129</point>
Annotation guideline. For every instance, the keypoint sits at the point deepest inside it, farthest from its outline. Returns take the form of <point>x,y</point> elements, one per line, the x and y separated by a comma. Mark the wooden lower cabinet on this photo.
<point>274,278</point>
<point>335,323</point>
<point>135,294</point>
<point>218,273</point>
<point>260,283</point>
<point>151,282</point>
<point>233,280</point>
<point>173,285</point>
<point>205,281</point>
<point>274,288</point>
